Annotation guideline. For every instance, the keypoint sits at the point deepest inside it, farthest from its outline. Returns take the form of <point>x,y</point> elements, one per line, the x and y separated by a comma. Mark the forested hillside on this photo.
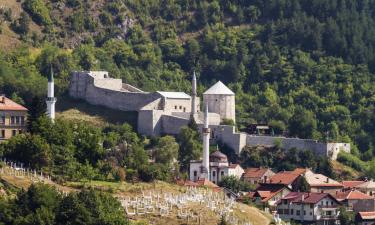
<point>304,66</point>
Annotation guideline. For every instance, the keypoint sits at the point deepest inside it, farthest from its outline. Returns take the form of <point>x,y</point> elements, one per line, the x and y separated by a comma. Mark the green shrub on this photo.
<point>39,11</point>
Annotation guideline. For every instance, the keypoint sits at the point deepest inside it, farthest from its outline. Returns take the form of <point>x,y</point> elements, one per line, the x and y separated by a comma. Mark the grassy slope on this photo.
<point>243,212</point>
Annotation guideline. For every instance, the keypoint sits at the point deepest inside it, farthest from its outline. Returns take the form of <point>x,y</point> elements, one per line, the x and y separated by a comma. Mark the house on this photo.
<point>365,218</point>
<point>367,187</point>
<point>356,200</point>
<point>309,208</point>
<point>321,184</point>
<point>287,178</point>
<point>351,184</point>
<point>269,195</point>
<point>12,118</point>
<point>257,175</point>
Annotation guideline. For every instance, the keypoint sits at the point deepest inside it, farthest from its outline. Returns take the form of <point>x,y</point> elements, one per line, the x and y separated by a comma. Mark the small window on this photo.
<point>291,211</point>
<point>297,212</point>
<point>222,173</point>
<point>175,107</point>
<point>184,109</point>
<point>22,120</point>
<point>304,212</point>
<point>14,132</point>
<point>311,206</point>
<point>17,120</point>
<point>285,201</point>
<point>180,107</point>
<point>310,213</point>
<point>213,173</point>
<point>12,120</point>
<point>2,120</point>
<point>2,133</point>
<point>195,173</point>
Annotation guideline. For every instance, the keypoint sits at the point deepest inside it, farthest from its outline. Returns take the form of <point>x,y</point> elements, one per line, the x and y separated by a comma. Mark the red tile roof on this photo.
<point>296,197</point>
<point>266,192</point>
<point>186,183</point>
<point>286,178</point>
<point>206,182</point>
<point>299,171</point>
<point>367,215</point>
<point>351,195</point>
<point>7,104</point>
<point>255,172</point>
<point>352,183</point>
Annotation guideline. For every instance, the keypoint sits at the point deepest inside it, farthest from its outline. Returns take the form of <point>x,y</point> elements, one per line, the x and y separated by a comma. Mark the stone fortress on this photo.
<point>164,112</point>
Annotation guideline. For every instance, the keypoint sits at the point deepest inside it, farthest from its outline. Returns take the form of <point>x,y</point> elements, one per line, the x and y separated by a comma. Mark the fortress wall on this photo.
<point>333,149</point>
<point>221,104</point>
<point>98,90</point>
<point>149,122</point>
<point>108,83</point>
<point>227,135</point>
<point>288,143</point>
<point>173,124</point>
<point>130,88</point>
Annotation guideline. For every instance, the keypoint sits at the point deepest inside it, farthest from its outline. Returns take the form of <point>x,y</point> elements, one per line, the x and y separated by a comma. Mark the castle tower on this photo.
<point>221,100</point>
<point>206,147</point>
<point>194,95</point>
<point>51,100</point>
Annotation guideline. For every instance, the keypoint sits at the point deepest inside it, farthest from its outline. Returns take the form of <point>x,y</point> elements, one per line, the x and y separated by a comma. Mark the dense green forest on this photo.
<point>305,67</point>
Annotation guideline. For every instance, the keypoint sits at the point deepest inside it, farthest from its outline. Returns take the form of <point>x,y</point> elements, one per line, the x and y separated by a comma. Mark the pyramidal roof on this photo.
<point>218,89</point>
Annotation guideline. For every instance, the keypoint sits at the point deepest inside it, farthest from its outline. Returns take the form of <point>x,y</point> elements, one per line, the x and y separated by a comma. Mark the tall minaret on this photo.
<point>206,146</point>
<point>194,95</point>
<point>51,100</point>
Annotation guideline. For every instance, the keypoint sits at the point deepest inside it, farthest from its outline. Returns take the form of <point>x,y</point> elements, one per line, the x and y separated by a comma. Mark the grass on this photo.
<point>78,110</point>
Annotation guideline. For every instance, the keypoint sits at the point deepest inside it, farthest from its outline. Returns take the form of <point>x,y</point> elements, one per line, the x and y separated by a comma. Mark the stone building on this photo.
<point>12,118</point>
<point>164,112</point>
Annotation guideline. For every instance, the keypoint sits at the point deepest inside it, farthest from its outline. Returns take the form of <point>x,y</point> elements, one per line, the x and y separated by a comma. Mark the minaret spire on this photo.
<point>206,146</point>
<point>51,100</point>
<point>194,95</point>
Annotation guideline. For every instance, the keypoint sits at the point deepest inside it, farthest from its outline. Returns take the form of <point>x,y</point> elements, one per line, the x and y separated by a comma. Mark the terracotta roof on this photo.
<point>351,195</point>
<point>255,172</point>
<point>186,183</point>
<point>352,183</point>
<point>367,215</point>
<point>286,178</point>
<point>8,104</point>
<point>206,182</point>
<point>296,197</point>
<point>319,180</point>
<point>266,192</point>
<point>299,171</point>
<point>367,184</point>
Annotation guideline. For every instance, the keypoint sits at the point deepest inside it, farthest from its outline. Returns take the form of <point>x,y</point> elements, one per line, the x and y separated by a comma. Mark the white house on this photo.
<point>309,208</point>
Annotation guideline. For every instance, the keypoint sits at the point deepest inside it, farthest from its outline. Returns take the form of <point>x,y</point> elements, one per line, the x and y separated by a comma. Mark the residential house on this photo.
<point>257,175</point>
<point>12,118</point>
<point>309,208</point>
<point>356,200</point>
<point>365,218</point>
<point>268,195</point>
<point>287,178</point>
<point>351,184</point>
<point>367,187</point>
<point>321,184</point>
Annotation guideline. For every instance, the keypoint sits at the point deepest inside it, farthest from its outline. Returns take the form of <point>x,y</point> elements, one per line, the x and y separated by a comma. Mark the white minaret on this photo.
<point>194,95</point>
<point>51,100</point>
<point>206,146</point>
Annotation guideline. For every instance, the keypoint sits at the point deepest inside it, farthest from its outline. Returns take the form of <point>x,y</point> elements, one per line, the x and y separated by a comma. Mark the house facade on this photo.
<point>309,208</point>
<point>13,118</point>
<point>257,175</point>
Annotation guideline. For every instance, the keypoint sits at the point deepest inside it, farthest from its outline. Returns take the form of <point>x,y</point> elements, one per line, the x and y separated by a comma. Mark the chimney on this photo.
<point>303,197</point>
<point>327,179</point>
<point>2,98</point>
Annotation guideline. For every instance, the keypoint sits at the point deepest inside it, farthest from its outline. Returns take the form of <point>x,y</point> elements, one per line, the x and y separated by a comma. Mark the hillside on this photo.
<point>305,67</point>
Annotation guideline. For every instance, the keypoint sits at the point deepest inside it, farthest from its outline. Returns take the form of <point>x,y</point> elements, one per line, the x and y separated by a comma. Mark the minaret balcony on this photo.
<point>51,99</point>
